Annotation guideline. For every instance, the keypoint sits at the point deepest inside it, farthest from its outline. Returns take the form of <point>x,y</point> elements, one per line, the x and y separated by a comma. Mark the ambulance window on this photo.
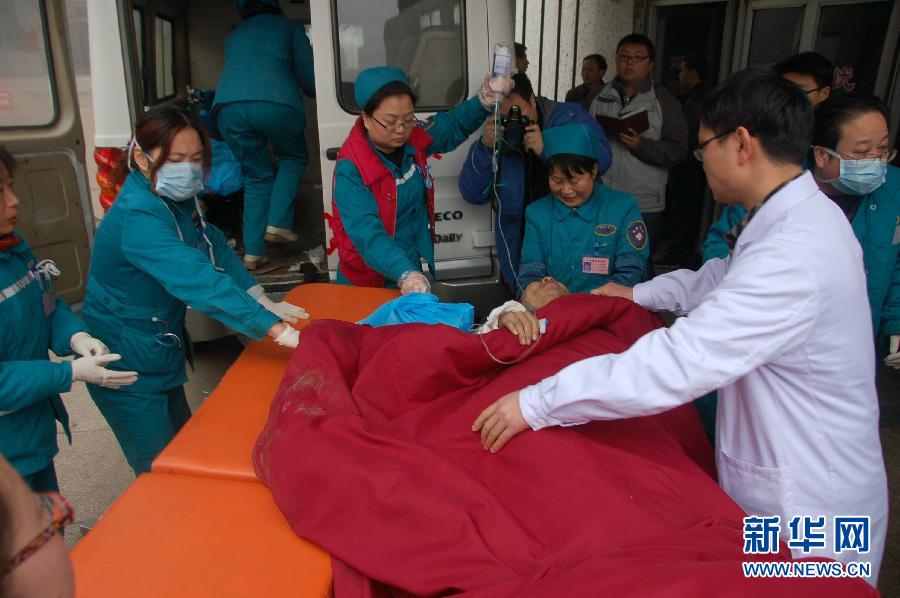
<point>165,51</point>
<point>423,37</point>
<point>27,97</point>
<point>775,34</point>
<point>852,36</point>
<point>138,17</point>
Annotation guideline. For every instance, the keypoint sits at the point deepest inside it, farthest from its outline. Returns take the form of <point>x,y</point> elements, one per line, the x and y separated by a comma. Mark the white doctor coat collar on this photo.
<point>791,195</point>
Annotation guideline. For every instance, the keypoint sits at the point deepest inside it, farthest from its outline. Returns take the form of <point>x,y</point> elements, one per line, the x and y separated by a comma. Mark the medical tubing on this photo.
<point>495,159</point>
<point>514,361</point>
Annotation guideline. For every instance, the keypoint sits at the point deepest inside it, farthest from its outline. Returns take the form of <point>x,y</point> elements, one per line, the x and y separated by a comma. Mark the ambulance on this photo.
<point>145,53</point>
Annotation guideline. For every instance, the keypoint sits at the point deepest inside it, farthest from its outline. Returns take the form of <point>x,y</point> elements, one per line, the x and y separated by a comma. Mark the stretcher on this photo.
<point>201,524</point>
<point>178,535</point>
<point>218,440</point>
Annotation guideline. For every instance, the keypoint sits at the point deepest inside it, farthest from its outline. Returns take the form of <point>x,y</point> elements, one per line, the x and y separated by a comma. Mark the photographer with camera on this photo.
<point>521,176</point>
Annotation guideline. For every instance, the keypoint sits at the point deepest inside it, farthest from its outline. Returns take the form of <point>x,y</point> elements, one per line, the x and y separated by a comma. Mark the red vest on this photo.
<point>380,181</point>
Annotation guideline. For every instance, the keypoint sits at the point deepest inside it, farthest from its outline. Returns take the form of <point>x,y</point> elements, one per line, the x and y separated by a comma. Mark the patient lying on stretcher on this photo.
<point>518,316</point>
<point>515,316</point>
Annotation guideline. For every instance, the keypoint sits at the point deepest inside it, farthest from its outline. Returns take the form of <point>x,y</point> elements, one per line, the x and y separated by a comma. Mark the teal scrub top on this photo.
<point>29,382</point>
<point>392,256</point>
<point>143,275</point>
<point>267,58</point>
<point>602,240</point>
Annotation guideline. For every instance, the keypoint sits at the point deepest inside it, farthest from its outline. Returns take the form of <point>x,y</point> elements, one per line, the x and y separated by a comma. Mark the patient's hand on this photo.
<point>521,323</point>
<point>612,289</point>
<point>500,422</point>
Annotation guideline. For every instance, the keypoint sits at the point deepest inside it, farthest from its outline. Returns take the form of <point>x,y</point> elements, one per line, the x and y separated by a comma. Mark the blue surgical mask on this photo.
<point>179,181</point>
<point>858,177</point>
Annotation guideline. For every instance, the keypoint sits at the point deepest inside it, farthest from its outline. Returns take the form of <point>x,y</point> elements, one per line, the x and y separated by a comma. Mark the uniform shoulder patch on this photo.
<point>637,234</point>
<point>605,230</point>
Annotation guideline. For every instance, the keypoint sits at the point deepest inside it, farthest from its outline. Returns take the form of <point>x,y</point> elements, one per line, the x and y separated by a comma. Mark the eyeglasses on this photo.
<point>61,514</point>
<point>632,59</point>
<point>885,155</point>
<point>400,124</point>
<point>814,89</point>
<point>698,153</point>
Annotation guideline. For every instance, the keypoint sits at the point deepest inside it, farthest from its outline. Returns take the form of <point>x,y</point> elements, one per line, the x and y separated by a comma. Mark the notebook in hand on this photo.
<point>612,126</point>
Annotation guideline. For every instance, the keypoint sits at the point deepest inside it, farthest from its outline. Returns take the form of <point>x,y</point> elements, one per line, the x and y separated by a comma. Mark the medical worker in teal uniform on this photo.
<point>154,255</point>
<point>268,66</point>
<point>583,234</point>
<point>33,320</point>
<point>383,194</point>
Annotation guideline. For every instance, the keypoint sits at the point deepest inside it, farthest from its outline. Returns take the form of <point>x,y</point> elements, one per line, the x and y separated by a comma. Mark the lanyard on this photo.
<point>731,236</point>
<point>16,287</point>
<point>201,232</point>
<point>40,272</point>
<point>201,227</point>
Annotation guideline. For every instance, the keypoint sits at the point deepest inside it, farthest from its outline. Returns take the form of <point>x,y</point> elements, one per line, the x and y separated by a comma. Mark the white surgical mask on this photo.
<point>857,177</point>
<point>179,181</point>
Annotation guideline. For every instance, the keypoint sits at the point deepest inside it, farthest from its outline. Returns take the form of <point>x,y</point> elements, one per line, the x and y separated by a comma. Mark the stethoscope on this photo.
<point>166,338</point>
<point>201,231</point>
<point>201,227</point>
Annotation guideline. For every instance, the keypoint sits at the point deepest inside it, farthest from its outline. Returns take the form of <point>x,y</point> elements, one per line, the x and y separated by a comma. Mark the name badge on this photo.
<point>595,265</point>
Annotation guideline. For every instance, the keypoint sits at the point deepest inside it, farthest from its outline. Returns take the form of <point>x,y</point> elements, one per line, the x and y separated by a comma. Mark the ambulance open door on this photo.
<point>41,126</point>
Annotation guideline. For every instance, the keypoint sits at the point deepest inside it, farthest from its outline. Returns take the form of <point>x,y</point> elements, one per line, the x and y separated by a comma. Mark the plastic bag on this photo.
<point>424,308</point>
<point>225,175</point>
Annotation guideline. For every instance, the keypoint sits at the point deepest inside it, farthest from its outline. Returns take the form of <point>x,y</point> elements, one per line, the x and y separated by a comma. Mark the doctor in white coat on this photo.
<point>781,327</point>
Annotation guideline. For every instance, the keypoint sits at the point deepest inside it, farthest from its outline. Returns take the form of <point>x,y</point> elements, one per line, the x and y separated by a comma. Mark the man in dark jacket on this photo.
<point>521,177</point>
<point>687,182</point>
<point>593,69</point>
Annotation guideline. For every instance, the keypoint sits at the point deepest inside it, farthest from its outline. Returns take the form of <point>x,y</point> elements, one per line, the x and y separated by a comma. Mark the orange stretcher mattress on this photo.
<point>218,440</point>
<point>174,535</point>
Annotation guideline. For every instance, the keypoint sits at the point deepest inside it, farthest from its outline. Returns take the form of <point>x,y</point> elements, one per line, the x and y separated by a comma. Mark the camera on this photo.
<point>513,136</point>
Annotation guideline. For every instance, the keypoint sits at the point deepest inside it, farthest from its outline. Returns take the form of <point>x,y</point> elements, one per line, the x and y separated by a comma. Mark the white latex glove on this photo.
<point>287,312</point>
<point>494,89</point>
<point>893,358</point>
<point>413,282</point>
<point>289,337</point>
<point>84,344</point>
<point>90,369</point>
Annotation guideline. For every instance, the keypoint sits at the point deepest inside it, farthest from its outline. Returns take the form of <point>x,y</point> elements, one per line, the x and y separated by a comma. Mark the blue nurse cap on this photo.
<point>580,140</point>
<point>372,79</point>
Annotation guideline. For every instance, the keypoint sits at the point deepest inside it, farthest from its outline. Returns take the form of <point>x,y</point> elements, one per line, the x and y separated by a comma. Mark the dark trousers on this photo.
<point>654,224</point>
<point>687,184</point>
<point>43,480</point>
<point>143,422</point>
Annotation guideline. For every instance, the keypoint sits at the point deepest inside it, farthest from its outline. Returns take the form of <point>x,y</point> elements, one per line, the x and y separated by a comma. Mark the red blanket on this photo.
<point>369,454</point>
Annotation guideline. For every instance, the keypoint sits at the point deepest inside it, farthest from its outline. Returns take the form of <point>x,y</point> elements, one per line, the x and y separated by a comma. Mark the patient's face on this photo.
<point>541,292</point>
